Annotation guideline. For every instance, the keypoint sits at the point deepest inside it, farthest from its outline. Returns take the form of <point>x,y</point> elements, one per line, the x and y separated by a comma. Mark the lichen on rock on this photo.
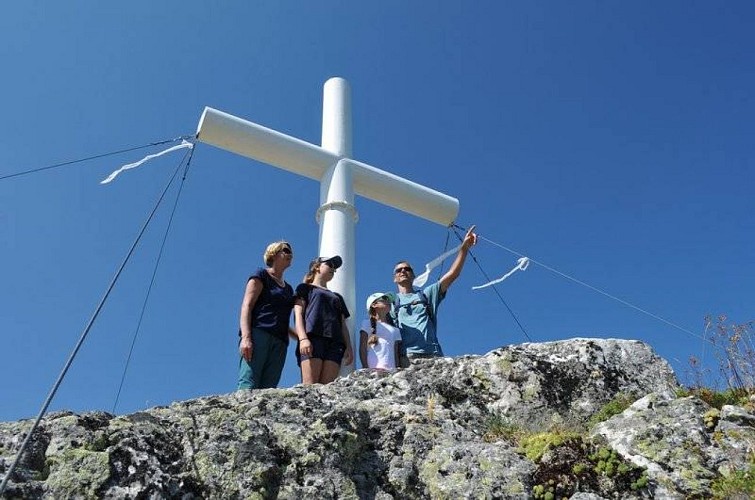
<point>422,432</point>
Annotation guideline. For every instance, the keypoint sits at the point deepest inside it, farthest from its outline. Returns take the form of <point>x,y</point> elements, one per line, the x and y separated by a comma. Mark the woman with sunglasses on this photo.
<point>265,313</point>
<point>320,316</point>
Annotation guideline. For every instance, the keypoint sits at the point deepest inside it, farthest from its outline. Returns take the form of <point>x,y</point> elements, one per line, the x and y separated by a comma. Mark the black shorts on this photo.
<point>325,349</point>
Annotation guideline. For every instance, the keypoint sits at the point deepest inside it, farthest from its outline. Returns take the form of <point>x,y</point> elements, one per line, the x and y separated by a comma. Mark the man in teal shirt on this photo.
<point>415,310</point>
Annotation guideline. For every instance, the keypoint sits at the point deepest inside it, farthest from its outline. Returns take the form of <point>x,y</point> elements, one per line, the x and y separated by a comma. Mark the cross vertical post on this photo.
<point>337,214</point>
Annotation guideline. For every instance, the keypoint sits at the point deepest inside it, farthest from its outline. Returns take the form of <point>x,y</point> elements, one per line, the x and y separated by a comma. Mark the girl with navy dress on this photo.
<point>320,317</point>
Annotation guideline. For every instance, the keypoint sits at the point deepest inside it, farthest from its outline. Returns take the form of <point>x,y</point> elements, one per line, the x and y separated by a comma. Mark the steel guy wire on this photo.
<point>94,157</point>
<point>190,155</point>
<point>83,336</point>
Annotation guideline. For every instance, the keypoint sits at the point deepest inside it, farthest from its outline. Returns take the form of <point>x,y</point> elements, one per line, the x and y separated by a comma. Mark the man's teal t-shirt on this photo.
<point>418,324</point>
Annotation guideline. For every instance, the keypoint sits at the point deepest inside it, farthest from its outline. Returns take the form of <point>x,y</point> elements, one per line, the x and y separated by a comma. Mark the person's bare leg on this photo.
<point>311,371</point>
<point>329,372</point>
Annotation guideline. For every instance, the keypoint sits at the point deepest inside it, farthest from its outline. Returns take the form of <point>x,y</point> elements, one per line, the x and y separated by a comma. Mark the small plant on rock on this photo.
<point>717,399</point>
<point>567,463</point>
<point>432,400</point>
<point>735,353</point>
<point>535,445</point>
<point>710,419</point>
<point>617,405</point>
<point>499,427</point>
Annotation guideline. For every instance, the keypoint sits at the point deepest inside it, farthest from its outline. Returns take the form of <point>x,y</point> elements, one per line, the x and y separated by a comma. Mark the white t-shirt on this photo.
<point>383,354</point>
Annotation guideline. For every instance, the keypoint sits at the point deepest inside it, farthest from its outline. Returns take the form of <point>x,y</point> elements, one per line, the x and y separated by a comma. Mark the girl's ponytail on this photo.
<point>312,272</point>
<point>372,340</point>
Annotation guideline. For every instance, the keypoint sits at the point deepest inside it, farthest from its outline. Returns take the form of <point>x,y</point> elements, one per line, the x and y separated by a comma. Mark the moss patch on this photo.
<point>614,407</point>
<point>535,445</point>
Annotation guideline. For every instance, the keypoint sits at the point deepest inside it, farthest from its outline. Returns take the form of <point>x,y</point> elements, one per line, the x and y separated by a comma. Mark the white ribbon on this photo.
<point>184,144</point>
<point>422,278</point>
<point>521,265</point>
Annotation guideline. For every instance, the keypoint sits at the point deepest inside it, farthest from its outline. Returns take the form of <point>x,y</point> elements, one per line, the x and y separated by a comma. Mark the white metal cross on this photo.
<point>339,175</point>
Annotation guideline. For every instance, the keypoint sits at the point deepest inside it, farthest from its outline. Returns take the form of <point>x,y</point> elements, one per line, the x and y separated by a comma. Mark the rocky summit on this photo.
<point>522,421</point>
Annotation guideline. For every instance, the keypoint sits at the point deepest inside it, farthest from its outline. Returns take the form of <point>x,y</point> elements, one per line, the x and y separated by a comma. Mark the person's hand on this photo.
<point>470,239</point>
<point>348,356</point>
<point>246,349</point>
<point>305,347</point>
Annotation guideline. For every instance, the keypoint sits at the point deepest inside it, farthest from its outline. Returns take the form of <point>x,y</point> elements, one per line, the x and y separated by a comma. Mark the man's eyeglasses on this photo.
<point>286,250</point>
<point>405,269</point>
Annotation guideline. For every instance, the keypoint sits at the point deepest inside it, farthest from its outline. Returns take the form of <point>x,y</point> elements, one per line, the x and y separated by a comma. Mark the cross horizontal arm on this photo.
<point>289,153</point>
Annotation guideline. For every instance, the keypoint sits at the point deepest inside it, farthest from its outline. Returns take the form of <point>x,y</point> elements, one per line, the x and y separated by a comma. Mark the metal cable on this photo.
<point>83,336</point>
<point>445,249</point>
<point>598,290</point>
<point>190,154</point>
<point>511,312</point>
<point>103,155</point>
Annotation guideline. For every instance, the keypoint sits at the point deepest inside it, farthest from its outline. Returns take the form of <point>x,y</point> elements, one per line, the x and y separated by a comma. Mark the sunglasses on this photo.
<point>286,251</point>
<point>405,269</point>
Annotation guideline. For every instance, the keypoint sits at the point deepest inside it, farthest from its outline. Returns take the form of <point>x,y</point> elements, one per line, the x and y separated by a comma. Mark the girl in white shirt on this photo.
<point>379,339</point>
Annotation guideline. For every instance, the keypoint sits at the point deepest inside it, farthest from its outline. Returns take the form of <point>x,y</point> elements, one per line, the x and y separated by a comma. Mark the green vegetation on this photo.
<point>567,460</point>
<point>533,446</point>
<point>567,463</point>
<point>546,492</point>
<point>617,405</point>
<point>735,353</point>
<point>641,482</point>
<point>738,484</point>
<point>717,399</point>
<point>499,427</point>
<point>608,463</point>
<point>710,419</point>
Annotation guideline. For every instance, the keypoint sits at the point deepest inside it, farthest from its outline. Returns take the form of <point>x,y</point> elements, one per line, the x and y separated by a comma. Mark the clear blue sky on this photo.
<point>610,141</point>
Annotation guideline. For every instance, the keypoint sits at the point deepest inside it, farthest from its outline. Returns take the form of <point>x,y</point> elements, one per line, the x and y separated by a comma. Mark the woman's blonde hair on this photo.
<point>272,250</point>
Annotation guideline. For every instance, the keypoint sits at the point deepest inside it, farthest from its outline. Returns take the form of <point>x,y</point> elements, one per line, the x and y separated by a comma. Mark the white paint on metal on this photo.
<point>339,175</point>
<point>289,153</point>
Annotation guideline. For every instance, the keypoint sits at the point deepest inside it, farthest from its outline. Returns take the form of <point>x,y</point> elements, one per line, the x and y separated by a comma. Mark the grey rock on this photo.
<point>668,437</point>
<point>422,432</point>
<point>586,496</point>
<point>737,416</point>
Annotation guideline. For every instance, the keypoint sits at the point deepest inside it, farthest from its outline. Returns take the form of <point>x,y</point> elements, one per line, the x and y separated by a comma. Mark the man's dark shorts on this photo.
<point>325,349</point>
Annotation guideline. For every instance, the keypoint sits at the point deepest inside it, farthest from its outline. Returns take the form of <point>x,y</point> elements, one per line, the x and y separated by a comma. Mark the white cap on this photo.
<point>378,295</point>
